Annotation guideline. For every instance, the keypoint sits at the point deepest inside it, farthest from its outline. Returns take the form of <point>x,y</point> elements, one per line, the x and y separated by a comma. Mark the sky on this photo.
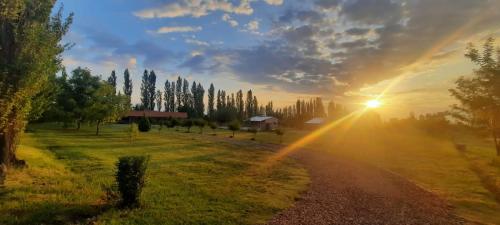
<point>346,51</point>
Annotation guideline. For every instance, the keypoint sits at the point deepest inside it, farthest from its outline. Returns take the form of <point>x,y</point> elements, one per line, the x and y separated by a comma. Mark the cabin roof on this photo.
<point>317,120</point>
<point>260,118</point>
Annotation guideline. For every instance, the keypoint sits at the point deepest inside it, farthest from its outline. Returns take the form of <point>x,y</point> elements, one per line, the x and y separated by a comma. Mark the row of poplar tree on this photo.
<point>180,96</point>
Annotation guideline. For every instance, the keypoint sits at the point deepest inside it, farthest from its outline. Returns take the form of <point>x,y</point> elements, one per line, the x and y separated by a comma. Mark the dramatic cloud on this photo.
<point>166,30</point>
<point>199,8</point>
<point>320,49</point>
<point>252,25</point>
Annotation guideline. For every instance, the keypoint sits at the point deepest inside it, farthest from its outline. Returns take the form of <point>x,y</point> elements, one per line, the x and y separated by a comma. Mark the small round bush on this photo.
<point>144,124</point>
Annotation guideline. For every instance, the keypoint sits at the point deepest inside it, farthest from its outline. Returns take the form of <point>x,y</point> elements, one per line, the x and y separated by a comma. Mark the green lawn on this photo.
<point>192,179</point>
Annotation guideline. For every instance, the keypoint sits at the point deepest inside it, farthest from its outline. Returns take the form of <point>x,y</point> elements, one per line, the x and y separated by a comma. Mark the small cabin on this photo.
<point>264,122</point>
<point>315,122</point>
<point>154,115</point>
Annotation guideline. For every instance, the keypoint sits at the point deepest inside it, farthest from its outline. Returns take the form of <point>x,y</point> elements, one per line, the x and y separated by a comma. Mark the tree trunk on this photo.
<point>8,146</point>
<point>97,128</point>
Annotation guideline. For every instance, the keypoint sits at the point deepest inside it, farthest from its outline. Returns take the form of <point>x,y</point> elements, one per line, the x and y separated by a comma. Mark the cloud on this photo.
<point>274,2</point>
<point>166,30</point>
<point>195,8</point>
<point>197,42</point>
<point>252,26</point>
<point>227,18</point>
<point>354,43</point>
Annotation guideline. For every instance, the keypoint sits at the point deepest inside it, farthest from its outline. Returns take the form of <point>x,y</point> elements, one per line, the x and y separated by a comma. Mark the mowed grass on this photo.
<point>192,179</point>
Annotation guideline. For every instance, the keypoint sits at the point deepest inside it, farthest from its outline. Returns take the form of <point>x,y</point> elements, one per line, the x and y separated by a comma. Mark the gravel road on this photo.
<point>347,192</point>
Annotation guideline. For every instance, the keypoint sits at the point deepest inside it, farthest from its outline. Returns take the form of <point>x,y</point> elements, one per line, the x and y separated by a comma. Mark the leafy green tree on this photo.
<point>234,126</point>
<point>106,106</point>
<point>112,80</point>
<point>127,86</point>
<point>240,105</point>
<point>83,87</point>
<point>171,100</point>
<point>211,98</point>
<point>30,52</point>
<point>479,95</point>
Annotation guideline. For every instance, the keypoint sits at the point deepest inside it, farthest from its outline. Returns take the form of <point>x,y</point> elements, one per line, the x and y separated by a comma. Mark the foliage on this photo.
<point>213,126</point>
<point>144,124</point>
<point>30,53</point>
<point>479,95</point>
<point>234,126</point>
<point>127,86</point>
<point>131,177</point>
<point>148,90</point>
<point>106,106</point>
<point>188,124</point>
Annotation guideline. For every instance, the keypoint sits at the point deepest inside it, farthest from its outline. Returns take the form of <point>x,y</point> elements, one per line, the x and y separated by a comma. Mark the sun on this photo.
<point>374,103</point>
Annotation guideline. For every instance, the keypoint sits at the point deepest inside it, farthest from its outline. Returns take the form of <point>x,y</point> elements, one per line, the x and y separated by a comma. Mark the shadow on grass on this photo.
<point>54,213</point>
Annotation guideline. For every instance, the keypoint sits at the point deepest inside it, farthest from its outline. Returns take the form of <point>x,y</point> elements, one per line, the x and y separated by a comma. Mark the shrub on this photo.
<point>130,177</point>
<point>280,133</point>
<point>201,124</point>
<point>144,124</point>
<point>213,126</point>
<point>234,126</point>
<point>188,124</point>
<point>175,123</point>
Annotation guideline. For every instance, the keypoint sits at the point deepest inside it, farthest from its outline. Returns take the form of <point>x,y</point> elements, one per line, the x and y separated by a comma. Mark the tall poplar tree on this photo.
<point>145,90</point>
<point>178,92</point>
<point>127,86</point>
<point>166,95</point>
<point>159,100</point>
<point>249,104</point>
<point>152,90</point>
<point>112,80</point>
<point>211,96</point>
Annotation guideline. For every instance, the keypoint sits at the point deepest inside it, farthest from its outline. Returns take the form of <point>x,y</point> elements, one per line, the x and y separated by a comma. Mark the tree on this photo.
<point>106,106</point>
<point>152,90</point>
<point>172,97</point>
<point>249,104</point>
<point>211,97</point>
<point>112,80</point>
<point>240,105</point>
<point>255,106</point>
<point>127,86</point>
<point>166,93</point>
<point>145,90</point>
<point>144,124</point>
<point>159,100</point>
<point>83,88</point>
<point>30,52</point>
<point>234,126</point>
<point>479,95</point>
<point>198,101</point>
<point>178,92</point>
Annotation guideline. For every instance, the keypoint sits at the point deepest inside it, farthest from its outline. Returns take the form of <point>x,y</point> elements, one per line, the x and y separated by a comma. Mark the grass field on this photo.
<point>206,178</point>
<point>469,180</point>
<point>191,180</point>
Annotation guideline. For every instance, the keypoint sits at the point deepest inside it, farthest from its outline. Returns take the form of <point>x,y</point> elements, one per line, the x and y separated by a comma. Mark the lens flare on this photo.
<point>374,103</point>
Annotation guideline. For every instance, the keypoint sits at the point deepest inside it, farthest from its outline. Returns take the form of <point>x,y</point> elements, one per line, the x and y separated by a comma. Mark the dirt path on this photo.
<point>345,192</point>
